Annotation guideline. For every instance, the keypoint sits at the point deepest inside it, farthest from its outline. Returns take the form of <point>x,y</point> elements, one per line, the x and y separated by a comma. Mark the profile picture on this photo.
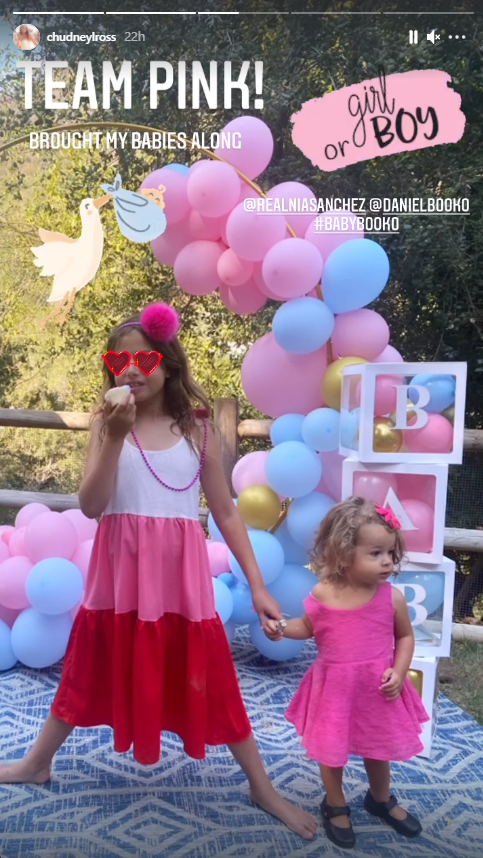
<point>26,37</point>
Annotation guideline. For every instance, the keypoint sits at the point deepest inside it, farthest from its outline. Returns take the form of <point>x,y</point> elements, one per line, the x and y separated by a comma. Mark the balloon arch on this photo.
<point>324,278</point>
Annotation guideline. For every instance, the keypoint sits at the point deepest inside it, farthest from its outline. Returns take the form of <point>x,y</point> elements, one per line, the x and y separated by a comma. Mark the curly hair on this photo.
<point>181,392</point>
<point>337,537</point>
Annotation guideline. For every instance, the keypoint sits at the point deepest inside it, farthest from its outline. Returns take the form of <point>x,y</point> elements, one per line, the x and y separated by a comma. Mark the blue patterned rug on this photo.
<point>103,805</point>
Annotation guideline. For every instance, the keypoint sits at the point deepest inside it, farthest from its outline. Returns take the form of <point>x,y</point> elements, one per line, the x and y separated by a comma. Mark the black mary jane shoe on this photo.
<point>342,837</point>
<point>409,827</point>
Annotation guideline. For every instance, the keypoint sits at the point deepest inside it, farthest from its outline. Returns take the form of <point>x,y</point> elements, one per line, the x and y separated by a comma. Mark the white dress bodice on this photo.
<point>137,492</point>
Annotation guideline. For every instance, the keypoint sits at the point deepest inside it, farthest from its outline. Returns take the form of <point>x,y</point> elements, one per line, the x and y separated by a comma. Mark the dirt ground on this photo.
<point>461,677</point>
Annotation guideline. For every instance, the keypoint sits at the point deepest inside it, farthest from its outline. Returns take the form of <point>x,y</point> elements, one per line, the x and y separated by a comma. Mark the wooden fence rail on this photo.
<point>231,430</point>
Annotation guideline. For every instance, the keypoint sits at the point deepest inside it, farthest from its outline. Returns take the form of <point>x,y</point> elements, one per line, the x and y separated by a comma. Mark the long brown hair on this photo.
<point>181,392</point>
<point>337,538</point>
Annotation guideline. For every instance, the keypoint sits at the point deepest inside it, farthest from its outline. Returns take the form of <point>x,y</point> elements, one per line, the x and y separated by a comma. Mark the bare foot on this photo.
<point>294,818</point>
<point>398,812</point>
<point>23,772</point>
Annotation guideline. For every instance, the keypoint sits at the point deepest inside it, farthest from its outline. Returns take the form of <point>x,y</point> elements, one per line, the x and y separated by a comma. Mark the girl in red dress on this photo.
<point>148,651</point>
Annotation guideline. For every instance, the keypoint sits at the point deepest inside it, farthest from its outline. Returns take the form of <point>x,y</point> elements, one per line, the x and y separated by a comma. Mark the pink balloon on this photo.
<point>176,203</point>
<point>50,535</point>
<point>13,576</point>
<point>386,394</point>
<point>195,268</point>
<point>17,546</point>
<point>435,437</point>
<point>248,192</point>
<point>326,239</point>
<point>167,246</point>
<point>277,382</point>
<point>6,531</point>
<point>244,300</point>
<point>292,267</point>
<point>9,615</point>
<point>389,355</point>
<point>251,235</point>
<point>288,191</point>
<point>214,189</point>
<point>260,282</point>
<point>422,517</point>
<point>4,551</point>
<point>332,472</point>
<point>374,486</point>
<point>361,332</point>
<point>29,512</point>
<point>421,487</point>
<point>86,528</point>
<point>256,149</point>
<point>204,228</point>
<point>323,488</point>
<point>250,471</point>
<point>82,557</point>
<point>232,270</point>
<point>197,164</point>
<point>218,557</point>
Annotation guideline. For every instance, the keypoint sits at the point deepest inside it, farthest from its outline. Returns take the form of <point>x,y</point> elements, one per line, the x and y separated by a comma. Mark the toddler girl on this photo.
<point>148,651</point>
<point>356,697</point>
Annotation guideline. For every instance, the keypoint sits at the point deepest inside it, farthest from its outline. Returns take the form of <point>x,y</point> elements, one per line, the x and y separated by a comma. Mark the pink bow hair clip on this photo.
<point>389,517</point>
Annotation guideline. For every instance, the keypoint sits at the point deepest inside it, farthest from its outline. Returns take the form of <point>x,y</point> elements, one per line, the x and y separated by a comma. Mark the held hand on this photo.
<point>392,684</point>
<point>273,631</point>
<point>120,418</point>
<point>266,608</point>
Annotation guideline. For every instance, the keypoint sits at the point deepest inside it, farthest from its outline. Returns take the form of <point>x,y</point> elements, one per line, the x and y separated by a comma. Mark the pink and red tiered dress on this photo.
<point>148,651</point>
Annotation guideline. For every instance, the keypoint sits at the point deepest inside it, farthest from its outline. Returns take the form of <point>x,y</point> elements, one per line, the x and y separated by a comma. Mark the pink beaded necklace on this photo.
<point>150,468</point>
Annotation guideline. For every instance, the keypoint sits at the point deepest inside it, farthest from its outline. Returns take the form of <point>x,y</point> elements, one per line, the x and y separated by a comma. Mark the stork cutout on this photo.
<point>74,262</point>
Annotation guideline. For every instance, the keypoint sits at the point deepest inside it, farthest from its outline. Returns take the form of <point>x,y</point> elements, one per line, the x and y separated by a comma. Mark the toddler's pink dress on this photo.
<point>338,709</point>
<point>148,651</point>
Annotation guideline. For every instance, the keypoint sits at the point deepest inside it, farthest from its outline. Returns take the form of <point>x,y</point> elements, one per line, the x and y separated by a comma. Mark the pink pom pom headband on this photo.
<point>159,321</point>
<point>388,517</point>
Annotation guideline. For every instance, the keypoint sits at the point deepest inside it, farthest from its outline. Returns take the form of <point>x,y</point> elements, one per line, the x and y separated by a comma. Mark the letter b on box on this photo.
<point>400,412</point>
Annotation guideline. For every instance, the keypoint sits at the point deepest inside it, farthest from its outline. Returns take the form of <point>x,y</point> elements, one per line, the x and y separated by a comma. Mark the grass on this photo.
<point>461,677</point>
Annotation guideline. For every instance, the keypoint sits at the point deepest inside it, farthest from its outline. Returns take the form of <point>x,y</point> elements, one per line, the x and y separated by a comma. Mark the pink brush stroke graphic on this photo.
<point>382,116</point>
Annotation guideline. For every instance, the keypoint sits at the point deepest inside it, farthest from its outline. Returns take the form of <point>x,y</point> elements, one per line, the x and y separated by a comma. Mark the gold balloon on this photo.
<point>387,439</point>
<point>259,507</point>
<point>416,679</point>
<point>332,380</point>
<point>449,414</point>
<point>410,414</point>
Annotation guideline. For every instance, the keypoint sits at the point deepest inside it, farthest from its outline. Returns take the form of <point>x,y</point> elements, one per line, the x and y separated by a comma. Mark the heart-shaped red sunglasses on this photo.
<point>147,362</point>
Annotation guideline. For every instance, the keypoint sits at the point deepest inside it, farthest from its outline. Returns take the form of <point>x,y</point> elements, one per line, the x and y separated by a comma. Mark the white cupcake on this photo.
<point>115,395</point>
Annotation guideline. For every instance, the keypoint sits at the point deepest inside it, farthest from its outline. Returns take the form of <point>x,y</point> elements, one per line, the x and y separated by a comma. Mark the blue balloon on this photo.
<point>282,650</point>
<point>293,469</point>
<point>293,552</point>
<point>39,640</point>
<point>223,600</point>
<point>180,168</point>
<point>354,275</point>
<point>227,579</point>
<point>303,325</point>
<point>287,428</point>
<point>305,515</point>
<point>441,388</point>
<point>268,554</point>
<point>321,430</point>
<point>54,586</point>
<point>230,629</point>
<point>432,583</point>
<point>349,428</point>
<point>7,656</point>
<point>243,611</point>
<point>290,589</point>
